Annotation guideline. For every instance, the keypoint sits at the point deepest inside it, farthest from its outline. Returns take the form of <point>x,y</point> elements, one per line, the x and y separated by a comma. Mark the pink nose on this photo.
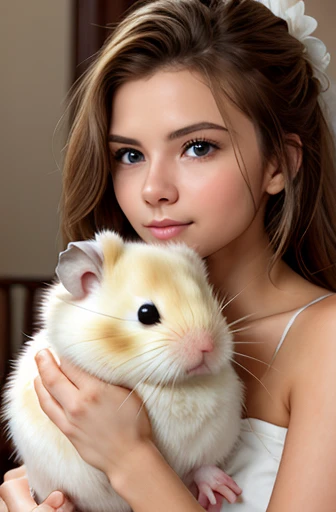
<point>196,345</point>
<point>204,342</point>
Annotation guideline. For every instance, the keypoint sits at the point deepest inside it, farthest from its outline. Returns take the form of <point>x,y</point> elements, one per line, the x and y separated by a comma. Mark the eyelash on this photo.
<point>117,155</point>
<point>193,142</point>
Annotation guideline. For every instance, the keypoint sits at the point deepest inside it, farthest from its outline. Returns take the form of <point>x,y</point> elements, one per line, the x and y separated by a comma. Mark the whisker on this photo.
<point>192,312</point>
<point>245,409</point>
<point>242,290</point>
<point>179,335</point>
<point>254,359</point>
<point>112,335</point>
<point>128,396</point>
<point>158,387</point>
<point>234,297</point>
<point>185,323</point>
<point>124,401</point>
<point>145,377</point>
<point>240,319</point>
<point>96,312</point>
<point>155,389</point>
<point>172,393</point>
<point>257,433</point>
<point>248,371</point>
<point>240,329</point>
<point>131,358</point>
<point>139,355</point>
<point>248,342</point>
<point>141,363</point>
<point>220,299</point>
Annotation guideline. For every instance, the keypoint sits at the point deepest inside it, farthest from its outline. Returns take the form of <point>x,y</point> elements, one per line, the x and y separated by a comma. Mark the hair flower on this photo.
<point>301,27</point>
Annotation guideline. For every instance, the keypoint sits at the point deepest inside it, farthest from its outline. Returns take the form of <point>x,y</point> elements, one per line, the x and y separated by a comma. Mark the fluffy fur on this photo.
<point>92,319</point>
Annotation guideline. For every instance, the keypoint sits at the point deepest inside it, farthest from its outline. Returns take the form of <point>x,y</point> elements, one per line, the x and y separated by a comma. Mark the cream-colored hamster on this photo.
<point>141,316</point>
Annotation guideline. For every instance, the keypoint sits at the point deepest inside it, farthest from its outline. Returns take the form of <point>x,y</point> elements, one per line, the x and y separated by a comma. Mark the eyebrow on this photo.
<point>172,136</point>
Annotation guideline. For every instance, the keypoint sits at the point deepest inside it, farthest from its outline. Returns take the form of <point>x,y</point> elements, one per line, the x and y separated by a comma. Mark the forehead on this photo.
<point>169,100</point>
<point>176,94</point>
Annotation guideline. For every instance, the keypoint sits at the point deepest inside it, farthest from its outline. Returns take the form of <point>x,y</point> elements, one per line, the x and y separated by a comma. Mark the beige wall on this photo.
<point>35,39</point>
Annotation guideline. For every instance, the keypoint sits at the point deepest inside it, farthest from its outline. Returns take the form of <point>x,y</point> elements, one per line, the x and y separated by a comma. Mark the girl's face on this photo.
<point>175,171</point>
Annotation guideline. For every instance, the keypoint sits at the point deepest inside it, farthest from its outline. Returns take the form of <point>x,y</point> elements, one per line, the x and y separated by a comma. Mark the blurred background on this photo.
<point>45,46</point>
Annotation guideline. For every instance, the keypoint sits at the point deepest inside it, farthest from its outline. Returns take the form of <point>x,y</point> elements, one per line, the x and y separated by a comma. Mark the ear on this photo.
<point>80,267</point>
<point>275,179</point>
<point>113,246</point>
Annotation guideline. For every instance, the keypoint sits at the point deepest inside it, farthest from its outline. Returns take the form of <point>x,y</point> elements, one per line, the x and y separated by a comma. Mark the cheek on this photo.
<point>225,193</point>
<point>126,191</point>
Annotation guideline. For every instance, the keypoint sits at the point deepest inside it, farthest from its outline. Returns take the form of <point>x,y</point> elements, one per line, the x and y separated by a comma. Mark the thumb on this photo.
<point>52,503</point>
<point>16,496</point>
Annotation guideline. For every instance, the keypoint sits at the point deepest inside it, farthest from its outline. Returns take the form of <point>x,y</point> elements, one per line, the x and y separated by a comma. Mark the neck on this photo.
<point>243,279</point>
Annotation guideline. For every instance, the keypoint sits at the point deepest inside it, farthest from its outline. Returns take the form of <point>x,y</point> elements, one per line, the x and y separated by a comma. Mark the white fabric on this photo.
<point>254,464</point>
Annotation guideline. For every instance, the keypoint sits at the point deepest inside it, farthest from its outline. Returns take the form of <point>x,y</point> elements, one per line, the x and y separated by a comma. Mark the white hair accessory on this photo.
<point>301,27</point>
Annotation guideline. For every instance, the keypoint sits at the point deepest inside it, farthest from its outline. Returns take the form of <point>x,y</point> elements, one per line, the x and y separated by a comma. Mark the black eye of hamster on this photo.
<point>148,314</point>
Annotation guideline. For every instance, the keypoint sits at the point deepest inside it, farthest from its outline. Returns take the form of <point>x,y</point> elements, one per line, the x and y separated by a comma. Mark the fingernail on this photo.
<point>41,356</point>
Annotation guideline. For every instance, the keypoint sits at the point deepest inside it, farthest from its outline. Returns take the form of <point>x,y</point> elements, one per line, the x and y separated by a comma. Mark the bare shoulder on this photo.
<point>323,310</point>
<point>313,354</point>
<point>316,330</point>
<point>308,466</point>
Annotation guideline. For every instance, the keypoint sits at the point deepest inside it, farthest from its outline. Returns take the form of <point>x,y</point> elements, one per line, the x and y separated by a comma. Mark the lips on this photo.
<point>167,229</point>
<point>166,223</point>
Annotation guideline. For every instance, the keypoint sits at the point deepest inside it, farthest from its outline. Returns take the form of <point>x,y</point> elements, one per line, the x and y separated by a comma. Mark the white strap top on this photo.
<point>292,320</point>
<point>254,464</point>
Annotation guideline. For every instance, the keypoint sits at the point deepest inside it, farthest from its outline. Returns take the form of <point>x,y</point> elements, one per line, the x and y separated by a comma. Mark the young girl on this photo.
<point>203,122</point>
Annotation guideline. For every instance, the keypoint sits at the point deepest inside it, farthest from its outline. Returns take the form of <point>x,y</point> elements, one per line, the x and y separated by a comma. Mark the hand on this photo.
<point>105,423</point>
<point>15,496</point>
<point>214,485</point>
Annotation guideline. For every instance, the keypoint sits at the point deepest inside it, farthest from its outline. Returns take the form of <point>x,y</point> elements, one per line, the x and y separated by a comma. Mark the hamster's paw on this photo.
<point>214,485</point>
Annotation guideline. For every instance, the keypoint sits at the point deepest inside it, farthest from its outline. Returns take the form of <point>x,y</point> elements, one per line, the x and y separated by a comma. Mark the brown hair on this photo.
<point>248,56</point>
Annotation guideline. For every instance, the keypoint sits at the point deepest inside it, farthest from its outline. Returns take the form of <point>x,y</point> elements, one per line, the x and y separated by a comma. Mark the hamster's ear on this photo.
<point>80,267</point>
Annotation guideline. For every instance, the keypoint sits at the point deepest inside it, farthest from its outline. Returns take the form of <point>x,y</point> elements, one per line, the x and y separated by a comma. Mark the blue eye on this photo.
<point>128,156</point>
<point>199,148</point>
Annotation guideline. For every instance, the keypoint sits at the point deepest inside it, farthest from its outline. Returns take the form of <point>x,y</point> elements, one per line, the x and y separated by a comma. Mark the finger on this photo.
<point>76,375</point>
<point>67,507</point>
<point>17,498</point>
<point>218,506</point>
<point>3,506</point>
<point>16,495</point>
<point>55,500</point>
<point>228,494</point>
<point>206,489</point>
<point>12,474</point>
<point>49,405</point>
<point>229,482</point>
<point>203,500</point>
<point>54,380</point>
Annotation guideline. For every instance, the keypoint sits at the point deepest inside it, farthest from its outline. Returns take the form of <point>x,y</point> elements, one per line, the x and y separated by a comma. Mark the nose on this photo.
<point>204,342</point>
<point>198,343</point>
<point>194,350</point>
<point>160,186</point>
